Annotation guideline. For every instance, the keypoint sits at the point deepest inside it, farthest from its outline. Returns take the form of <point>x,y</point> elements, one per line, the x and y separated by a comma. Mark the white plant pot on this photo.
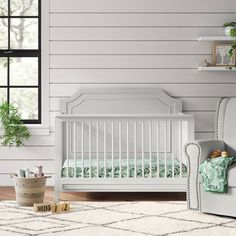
<point>228,30</point>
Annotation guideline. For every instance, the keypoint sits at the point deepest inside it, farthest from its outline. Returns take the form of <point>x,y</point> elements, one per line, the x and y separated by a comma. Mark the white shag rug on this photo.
<point>114,219</point>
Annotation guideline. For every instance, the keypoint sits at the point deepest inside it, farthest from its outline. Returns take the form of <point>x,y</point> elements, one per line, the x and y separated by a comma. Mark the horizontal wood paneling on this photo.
<point>41,141</point>
<point>67,76</point>
<point>127,61</point>
<point>118,34</point>
<point>73,47</point>
<point>38,141</point>
<point>201,104</point>
<point>11,166</point>
<point>176,90</point>
<point>140,20</point>
<point>189,104</point>
<point>204,121</point>
<point>55,104</point>
<point>141,6</point>
<point>27,153</point>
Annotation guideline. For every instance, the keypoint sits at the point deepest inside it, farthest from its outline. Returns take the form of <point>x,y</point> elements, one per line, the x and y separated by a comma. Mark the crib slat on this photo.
<point>135,149</point>
<point>142,150</point>
<point>97,149</point>
<point>67,148</point>
<point>173,149</point>
<point>120,148</point>
<point>165,146</point>
<point>105,149</point>
<point>74,149</point>
<point>112,147</point>
<point>127,148</point>
<point>150,149</point>
<point>82,148</point>
<point>180,148</point>
<point>90,166</point>
<point>158,150</point>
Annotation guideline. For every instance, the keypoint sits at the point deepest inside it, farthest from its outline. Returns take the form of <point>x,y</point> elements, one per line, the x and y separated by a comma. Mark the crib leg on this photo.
<point>57,192</point>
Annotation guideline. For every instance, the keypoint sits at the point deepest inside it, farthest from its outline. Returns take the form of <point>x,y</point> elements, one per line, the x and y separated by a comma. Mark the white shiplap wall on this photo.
<point>125,42</point>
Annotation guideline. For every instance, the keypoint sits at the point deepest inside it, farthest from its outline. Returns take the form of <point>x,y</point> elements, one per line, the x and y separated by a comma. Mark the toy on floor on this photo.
<point>42,207</point>
<point>55,207</point>
<point>219,153</point>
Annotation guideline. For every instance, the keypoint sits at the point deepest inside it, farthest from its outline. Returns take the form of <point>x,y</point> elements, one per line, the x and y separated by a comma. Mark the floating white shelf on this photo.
<point>216,68</point>
<point>215,38</point>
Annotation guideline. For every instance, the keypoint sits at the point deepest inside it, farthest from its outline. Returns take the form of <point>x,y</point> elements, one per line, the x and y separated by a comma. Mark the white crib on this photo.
<point>121,140</point>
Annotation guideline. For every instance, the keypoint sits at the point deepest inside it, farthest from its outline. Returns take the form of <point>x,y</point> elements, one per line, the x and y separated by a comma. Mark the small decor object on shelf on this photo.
<point>208,64</point>
<point>230,30</point>
<point>15,131</point>
<point>221,55</point>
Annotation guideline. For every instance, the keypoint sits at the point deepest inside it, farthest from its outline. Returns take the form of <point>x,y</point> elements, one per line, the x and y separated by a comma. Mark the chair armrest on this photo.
<point>196,152</point>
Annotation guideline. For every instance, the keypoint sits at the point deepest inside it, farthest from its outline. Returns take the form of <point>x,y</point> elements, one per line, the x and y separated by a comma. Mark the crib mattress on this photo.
<point>158,168</point>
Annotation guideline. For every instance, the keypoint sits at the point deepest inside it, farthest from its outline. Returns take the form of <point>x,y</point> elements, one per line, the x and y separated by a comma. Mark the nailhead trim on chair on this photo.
<point>189,170</point>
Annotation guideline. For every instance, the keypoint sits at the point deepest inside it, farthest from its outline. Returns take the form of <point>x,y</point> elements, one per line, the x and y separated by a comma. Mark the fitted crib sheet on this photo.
<point>158,168</point>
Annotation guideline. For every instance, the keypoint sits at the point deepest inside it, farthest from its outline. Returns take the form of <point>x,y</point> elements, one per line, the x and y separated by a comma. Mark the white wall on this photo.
<point>130,42</point>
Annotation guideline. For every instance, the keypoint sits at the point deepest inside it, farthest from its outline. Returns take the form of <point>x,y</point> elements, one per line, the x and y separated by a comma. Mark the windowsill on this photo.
<point>36,130</point>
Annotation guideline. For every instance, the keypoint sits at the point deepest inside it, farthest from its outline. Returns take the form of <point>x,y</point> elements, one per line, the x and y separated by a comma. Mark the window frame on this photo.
<point>24,53</point>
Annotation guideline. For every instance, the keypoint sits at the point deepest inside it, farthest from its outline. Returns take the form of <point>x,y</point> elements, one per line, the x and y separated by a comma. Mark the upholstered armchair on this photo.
<point>197,151</point>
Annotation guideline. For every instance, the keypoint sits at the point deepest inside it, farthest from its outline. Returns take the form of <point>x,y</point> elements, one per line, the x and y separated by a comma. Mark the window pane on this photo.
<point>24,7</point>
<point>3,34</point>
<point>3,71</point>
<point>24,71</point>
<point>24,33</point>
<point>3,7</point>
<point>3,95</point>
<point>26,99</point>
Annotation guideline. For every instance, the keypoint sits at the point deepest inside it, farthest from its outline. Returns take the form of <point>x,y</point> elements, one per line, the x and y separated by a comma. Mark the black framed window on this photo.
<point>20,57</point>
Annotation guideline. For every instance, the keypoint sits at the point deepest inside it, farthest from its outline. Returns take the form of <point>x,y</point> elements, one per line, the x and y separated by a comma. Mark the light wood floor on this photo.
<point>8,193</point>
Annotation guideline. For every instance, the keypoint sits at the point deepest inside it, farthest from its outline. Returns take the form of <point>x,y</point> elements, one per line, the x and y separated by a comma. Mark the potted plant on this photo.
<point>230,30</point>
<point>15,131</point>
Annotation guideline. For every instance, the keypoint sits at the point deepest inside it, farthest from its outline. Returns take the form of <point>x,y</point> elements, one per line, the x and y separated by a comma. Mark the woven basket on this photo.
<point>29,190</point>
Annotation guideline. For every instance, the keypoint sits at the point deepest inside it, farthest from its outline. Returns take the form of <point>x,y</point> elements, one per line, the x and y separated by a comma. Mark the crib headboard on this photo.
<point>99,100</point>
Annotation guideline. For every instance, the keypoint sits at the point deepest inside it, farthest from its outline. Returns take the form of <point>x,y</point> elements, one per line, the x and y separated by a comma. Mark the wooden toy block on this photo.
<point>56,208</point>
<point>65,206</point>
<point>42,207</point>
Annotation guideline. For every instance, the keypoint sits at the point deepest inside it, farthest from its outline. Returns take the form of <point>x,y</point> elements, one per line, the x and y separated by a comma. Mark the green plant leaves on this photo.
<point>15,132</point>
